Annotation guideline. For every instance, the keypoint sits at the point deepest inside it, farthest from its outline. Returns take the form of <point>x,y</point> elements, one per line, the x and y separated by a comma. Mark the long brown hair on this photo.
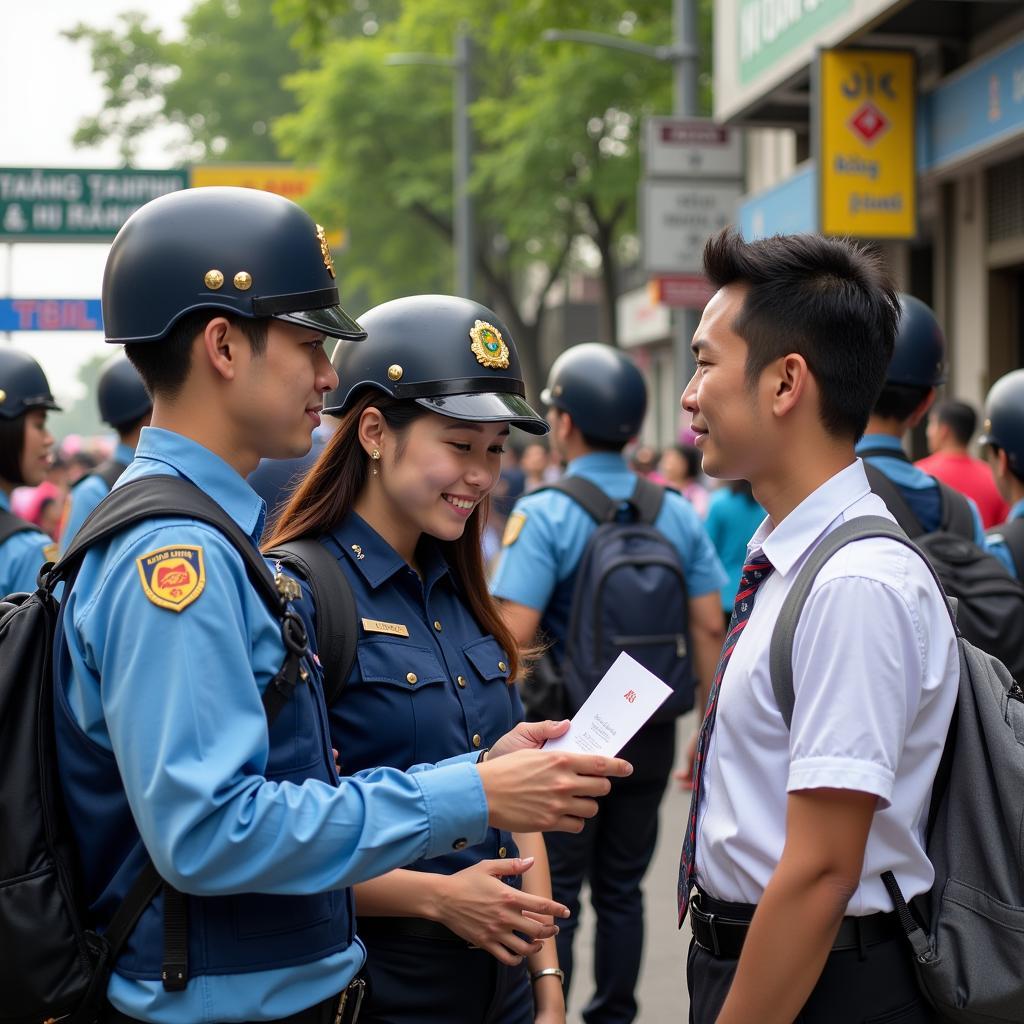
<point>329,491</point>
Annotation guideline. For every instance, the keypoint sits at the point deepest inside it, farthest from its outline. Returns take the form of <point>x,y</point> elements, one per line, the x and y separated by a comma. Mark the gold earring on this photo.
<point>375,456</point>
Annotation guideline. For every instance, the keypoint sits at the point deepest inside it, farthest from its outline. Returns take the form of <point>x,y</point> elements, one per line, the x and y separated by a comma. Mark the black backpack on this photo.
<point>990,601</point>
<point>629,595</point>
<point>54,966</point>
<point>10,524</point>
<point>966,936</point>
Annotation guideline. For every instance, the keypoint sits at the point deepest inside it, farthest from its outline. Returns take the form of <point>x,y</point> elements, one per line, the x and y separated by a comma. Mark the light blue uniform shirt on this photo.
<point>87,494</point>
<point>21,556</point>
<point>180,707</point>
<point>907,475</point>
<point>555,531</point>
<point>997,546</point>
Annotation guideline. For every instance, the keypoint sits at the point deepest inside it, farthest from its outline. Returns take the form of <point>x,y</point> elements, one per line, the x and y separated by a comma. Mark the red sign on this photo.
<point>869,122</point>
<point>681,291</point>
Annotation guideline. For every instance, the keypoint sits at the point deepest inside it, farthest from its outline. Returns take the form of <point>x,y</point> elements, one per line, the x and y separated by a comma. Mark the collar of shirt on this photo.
<point>1016,511</point>
<point>869,441</point>
<point>785,545</point>
<point>597,464</point>
<point>377,561</point>
<point>123,453</point>
<point>209,472</point>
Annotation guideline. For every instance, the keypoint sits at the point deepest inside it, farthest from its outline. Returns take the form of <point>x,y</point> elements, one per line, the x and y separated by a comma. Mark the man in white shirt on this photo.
<point>791,830</point>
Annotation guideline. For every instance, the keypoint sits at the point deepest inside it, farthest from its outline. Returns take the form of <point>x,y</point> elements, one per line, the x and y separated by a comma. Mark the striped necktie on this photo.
<point>755,572</point>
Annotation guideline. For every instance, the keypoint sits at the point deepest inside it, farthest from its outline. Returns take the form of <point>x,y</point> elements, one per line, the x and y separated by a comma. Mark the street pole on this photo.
<point>465,240</point>
<point>684,90</point>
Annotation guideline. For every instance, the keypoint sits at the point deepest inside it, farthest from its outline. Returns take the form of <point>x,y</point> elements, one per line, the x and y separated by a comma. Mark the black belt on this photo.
<point>340,1009</point>
<point>407,927</point>
<point>720,928</point>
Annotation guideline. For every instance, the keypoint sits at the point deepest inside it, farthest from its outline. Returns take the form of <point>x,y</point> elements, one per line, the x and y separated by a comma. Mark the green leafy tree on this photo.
<point>219,87</point>
<point>82,416</point>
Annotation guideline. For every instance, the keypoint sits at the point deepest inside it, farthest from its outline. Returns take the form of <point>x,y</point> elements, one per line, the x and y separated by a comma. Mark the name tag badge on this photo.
<point>392,628</point>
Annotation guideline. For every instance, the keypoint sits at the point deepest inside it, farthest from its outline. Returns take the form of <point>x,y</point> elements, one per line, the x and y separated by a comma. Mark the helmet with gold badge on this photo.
<point>450,355</point>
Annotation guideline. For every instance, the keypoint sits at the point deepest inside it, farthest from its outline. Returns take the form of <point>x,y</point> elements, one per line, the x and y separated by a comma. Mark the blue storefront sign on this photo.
<point>977,108</point>
<point>50,315</point>
<point>789,208</point>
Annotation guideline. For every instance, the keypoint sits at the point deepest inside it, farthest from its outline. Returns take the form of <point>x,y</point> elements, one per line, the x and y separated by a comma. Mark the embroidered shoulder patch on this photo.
<point>173,577</point>
<point>513,528</point>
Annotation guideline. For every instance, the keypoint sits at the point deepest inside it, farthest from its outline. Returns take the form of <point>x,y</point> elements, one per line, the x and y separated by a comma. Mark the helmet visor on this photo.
<point>488,407</point>
<point>332,320</point>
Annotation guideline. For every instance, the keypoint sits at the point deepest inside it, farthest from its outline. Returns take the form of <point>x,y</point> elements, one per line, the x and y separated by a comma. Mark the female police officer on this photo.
<point>399,497</point>
<point>25,446</point>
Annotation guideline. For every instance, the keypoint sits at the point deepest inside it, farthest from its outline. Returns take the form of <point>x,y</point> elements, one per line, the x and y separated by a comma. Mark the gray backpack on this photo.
<point>969,947</point>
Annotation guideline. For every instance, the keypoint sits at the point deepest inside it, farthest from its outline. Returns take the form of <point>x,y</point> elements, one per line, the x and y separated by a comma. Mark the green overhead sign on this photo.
<point>771,29</point>
<point>68,205</point>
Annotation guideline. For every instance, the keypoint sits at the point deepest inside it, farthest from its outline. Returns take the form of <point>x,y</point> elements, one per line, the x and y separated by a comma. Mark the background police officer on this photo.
<point>223,298</point>
<point>597,400</point>
<point>917,368</point>
<point>1003,441</point>
<point>25,455</point>
<point>125,404</point>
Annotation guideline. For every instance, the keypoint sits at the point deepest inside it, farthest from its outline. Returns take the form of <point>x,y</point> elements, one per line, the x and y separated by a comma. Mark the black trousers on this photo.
<point>612,854</point>
<point>876,987</point>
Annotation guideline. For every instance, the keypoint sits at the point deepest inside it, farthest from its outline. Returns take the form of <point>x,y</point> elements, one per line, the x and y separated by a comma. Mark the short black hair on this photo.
<point>959,417</point>
<point>164,365</point>
<point>826,299</point>
<point>898,401</point>
<point>12,441</point>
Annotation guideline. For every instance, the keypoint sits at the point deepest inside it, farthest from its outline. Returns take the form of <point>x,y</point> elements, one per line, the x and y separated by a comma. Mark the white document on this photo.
<point>625,698</point>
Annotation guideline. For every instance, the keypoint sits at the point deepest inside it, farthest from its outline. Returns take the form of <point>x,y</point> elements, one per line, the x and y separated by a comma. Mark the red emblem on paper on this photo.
<point>630,695</point>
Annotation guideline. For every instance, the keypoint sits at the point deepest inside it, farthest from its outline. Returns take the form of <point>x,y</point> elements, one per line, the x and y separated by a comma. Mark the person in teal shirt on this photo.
<point>733,516</point>
<point>26,447</point>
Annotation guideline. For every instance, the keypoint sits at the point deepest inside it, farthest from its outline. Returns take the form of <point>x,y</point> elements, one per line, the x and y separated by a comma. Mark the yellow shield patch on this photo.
<point>173,577</point>
<point>513,528</point>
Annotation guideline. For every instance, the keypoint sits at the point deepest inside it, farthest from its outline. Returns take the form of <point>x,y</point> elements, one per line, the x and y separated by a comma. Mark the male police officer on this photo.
<point>1003,442</point>
<point>125,404</point>
<point>917,368</point>
<point>597,401</point>
<point>222,298</point>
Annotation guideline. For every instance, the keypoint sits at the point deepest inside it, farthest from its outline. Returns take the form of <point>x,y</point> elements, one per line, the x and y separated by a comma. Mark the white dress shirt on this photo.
<point>876,671</point>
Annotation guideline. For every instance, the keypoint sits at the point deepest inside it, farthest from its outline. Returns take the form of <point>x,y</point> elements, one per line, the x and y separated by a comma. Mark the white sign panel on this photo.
<point>691,148</point>
<point>679,217</point>
<point>641,321</point>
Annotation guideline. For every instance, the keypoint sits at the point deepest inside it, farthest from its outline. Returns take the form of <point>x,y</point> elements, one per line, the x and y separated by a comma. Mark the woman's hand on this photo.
<point>479,907</point>
<point>527,736</point>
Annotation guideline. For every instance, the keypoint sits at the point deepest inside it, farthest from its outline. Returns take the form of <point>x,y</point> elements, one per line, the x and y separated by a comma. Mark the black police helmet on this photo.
<point>1004,419</point>
<point>600,389</point>
<point>241,250</point>
<point>23,385</point>
<point>120,393</point>
<point>919,355</point>
<point>448,354</point>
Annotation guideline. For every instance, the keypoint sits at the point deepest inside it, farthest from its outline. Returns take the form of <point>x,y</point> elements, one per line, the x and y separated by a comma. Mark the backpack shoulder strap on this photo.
<point>894,500</point>
<point>647,499</point>
<point>335,604</point>
<point>1012,532</point>
<point>956,517</point>
<point>589,496</point>
<point>781,650</point>
<point>10,524</point>
<point>153,497</point>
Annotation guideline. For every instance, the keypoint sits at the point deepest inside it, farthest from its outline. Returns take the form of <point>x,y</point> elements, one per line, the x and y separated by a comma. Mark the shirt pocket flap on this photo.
<point>487,657</point>
<point>398,663</point>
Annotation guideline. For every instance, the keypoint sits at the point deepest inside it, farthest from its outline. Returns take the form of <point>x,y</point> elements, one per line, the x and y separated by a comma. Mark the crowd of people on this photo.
<point>342,788</point>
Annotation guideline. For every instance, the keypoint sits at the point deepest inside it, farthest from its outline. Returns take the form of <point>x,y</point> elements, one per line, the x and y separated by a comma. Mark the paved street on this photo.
<point>662,994</point>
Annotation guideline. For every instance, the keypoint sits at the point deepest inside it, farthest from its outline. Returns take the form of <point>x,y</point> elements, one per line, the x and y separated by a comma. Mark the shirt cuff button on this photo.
<point>460,844</point>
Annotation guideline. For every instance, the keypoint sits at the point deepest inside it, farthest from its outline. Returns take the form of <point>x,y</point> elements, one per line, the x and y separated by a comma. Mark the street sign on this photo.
<point>54,204</point>
<point>679,217</point>
<point>691,148</point>
<point>50,315</point>
<point>681,291</point>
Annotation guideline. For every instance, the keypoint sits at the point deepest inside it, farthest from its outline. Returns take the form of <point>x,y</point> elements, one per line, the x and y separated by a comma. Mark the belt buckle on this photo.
<point>709,920</point>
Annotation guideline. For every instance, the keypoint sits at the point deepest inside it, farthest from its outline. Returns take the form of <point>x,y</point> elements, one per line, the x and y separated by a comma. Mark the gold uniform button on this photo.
<point>502,852</point>
<point>476,740</point>
<point>437,625</point>
<point>459,844</point>
<point>461,681</point>
<point>502,667</point>
<point>411,679</point>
